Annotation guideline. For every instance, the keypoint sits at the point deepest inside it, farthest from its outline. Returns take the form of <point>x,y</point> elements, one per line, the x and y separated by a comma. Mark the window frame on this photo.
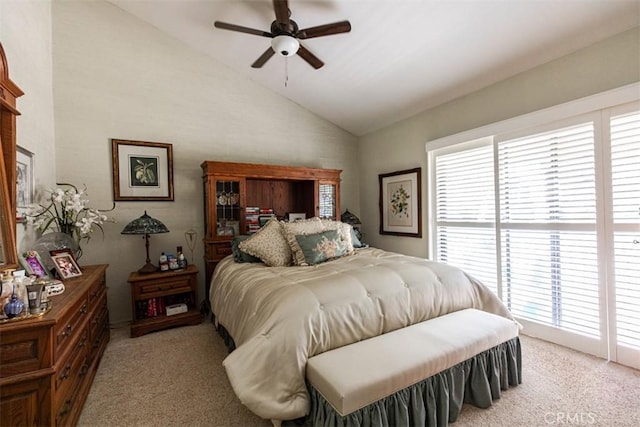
<point>599,108</point>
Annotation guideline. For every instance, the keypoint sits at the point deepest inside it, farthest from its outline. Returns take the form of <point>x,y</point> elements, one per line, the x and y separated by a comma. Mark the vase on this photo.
<point>14,307</point>
<point>55,241</point>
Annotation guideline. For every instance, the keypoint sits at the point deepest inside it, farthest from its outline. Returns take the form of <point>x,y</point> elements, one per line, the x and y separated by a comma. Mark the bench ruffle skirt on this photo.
<point>437,400</point>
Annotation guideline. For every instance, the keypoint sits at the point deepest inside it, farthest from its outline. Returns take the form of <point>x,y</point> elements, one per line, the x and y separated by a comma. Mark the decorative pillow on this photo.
<point>269,245</point>
<point>344,231</point>
<point>354,239</point>
<point>239,255</point>
<point>320,247</point>
<point>302,227</point>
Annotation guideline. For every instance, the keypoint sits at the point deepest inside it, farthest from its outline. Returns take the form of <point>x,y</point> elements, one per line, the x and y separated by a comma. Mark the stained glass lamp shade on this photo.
<point>146,225</point>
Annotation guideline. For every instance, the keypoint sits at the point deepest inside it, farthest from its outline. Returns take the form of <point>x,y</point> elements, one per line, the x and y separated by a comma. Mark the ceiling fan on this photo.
<point>285,35</point>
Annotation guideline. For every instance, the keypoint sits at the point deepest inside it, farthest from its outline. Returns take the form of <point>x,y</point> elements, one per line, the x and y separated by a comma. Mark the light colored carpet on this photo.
<point>175,378</point>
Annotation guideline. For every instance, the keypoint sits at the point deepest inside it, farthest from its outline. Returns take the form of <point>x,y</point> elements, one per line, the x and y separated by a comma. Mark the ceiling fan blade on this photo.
<point>263,58</point>
<point>281,8</point>
<point>324,30</point>
<point>233,27</point>
<point>313,60</point>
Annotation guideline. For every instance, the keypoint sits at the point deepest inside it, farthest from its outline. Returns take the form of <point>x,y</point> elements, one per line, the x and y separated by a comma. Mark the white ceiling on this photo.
<point>401,56</point>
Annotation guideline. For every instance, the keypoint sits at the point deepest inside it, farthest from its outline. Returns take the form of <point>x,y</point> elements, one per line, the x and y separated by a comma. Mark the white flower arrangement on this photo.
<point>66,210</point>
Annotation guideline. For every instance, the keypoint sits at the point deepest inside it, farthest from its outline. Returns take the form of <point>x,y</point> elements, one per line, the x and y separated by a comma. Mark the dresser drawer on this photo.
<point>66,408</point>
<point>69,325</point>
<point>23,351</point>
<point>71,370</point>
<point>99,331</point>
<point>97,290</point>
<point>100,318</point>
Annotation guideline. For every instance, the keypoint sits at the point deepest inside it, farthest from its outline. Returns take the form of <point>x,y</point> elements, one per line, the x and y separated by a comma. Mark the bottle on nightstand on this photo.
<point>182,261</point>
<point>164,262</point>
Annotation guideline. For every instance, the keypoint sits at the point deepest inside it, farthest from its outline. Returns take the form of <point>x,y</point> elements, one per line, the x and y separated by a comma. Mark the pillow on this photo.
<point>354,239</point>
<point>239,255</point>
<point>320,247</point>
<point>269,245</point>
<point>301,227</point>
<point>344,231</point>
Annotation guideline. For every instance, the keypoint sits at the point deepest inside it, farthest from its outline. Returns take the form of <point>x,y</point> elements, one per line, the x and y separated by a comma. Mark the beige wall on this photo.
<point>113,76</point>
<point>606,65</point>
<point>117,77</point>
<point>25,33</point>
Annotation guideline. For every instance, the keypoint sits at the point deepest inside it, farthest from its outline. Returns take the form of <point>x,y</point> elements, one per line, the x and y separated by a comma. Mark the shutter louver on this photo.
<point>625,175</point>
<point>465,230</point>
<point>547,198</point>
<point>542,218</point>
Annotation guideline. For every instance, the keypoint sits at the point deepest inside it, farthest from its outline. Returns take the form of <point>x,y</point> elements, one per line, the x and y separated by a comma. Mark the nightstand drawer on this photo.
<point>218,250</point>
<point>223,250</point>
<point>151,293</point>
<point>178,284</point>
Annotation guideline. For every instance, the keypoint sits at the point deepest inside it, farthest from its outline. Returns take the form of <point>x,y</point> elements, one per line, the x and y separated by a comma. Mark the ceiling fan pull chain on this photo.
<point>286,70</point>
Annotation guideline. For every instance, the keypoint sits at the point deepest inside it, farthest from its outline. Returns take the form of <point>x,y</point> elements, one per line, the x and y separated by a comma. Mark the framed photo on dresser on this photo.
<point>66,266</point>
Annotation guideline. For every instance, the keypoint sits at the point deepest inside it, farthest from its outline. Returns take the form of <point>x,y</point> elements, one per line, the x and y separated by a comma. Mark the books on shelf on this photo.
<point>256,217</point>
<point>154,307</point>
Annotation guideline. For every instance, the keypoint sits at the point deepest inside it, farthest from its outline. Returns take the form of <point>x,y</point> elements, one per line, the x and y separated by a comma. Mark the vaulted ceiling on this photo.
<point>401,56</point>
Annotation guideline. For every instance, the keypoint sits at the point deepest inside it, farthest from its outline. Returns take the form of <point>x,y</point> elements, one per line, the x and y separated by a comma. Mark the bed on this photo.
<point>280,316</point>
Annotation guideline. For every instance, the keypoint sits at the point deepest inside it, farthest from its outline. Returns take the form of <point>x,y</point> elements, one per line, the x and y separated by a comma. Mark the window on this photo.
<point>547,218</point>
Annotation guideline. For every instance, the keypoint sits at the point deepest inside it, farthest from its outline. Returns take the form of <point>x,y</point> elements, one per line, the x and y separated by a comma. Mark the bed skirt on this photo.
<point>437,400</point>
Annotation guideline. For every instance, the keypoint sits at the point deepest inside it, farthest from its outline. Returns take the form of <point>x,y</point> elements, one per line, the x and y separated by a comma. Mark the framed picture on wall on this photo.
<point>400,203</point>
<point>24,182</point>
<point>142,171</point>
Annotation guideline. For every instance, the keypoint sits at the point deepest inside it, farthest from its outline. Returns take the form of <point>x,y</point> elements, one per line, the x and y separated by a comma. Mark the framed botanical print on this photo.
<point>400,203</point>
<point>142,170</point>
<point>24,182</point>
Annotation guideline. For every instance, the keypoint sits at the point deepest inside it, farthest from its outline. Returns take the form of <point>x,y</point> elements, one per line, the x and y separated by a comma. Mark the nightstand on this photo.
<point>152,293</point>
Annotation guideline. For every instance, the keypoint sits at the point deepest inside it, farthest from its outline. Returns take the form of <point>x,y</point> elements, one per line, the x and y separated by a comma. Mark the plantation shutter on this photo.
<point>465,229</point>
<point>625,175</point>
<point>549,267</point>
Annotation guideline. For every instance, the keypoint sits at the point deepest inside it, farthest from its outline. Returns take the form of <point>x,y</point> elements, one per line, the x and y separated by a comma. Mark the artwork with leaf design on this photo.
<point>400,210</point>
<point>142,170</point>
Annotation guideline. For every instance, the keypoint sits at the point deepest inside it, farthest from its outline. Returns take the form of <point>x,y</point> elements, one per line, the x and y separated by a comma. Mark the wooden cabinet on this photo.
<point>47,363</point>
<point>152,293</point>
<point>230,188</point>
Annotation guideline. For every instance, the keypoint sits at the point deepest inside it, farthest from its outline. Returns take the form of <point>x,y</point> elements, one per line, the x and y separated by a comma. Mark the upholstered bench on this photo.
<point>355,376</point>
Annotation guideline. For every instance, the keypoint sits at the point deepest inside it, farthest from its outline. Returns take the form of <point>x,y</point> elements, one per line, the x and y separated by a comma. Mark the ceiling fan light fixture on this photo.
<point>285,45</point>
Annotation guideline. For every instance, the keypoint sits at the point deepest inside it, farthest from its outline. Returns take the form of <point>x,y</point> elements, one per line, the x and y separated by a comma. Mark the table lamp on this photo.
<point>350,218</point>
<point>146,225</point>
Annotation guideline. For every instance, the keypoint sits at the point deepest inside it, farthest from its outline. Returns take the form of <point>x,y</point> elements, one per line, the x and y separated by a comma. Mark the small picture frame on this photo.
<point>66,266</point>
<point>33,265</point>
<point>297,216</point>
<point>24,182</point>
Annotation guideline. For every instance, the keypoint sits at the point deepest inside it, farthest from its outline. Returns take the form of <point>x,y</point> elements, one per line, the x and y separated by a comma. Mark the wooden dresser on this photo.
<point>47,364</point>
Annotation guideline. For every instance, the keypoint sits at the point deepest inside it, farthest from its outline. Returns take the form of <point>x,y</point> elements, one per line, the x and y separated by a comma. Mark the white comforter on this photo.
<point>281,316</point>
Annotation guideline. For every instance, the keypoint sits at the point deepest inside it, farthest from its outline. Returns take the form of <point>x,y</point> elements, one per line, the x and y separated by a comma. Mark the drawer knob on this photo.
<point>67,331</point>
<point>66,372</point>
